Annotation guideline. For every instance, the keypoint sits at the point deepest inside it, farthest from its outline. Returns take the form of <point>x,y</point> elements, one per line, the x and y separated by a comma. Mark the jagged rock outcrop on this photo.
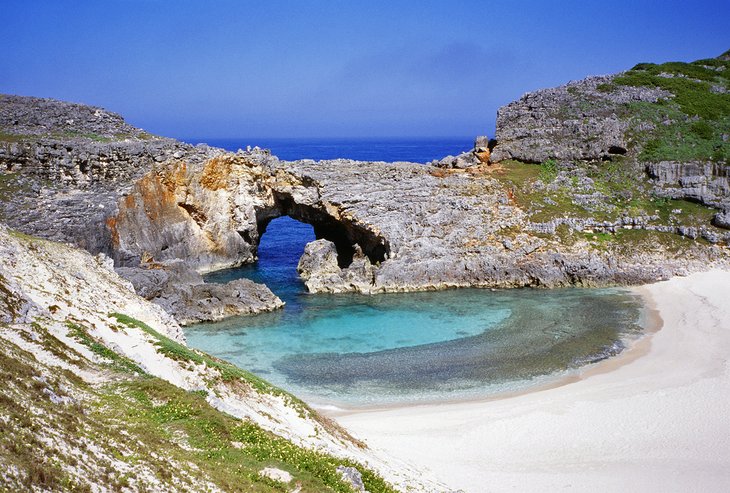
<point>479,154</point>
<point>722,219</point>
<point>65,167</point>
<point>405,226</point>
<point>671,118</point>
<point>183,294</point>
<point>418,228</point>
<point>574,121</point>
<point>68,170</point>
<point>319,269</point>
<point>704,182</point>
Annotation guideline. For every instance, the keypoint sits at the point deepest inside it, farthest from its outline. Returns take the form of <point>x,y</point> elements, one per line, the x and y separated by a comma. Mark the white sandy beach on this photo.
<point>657,418</point>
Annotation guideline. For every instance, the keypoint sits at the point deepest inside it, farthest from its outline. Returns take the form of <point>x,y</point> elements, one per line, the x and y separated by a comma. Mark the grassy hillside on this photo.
<point>694,124</point>
<point>132,430</point>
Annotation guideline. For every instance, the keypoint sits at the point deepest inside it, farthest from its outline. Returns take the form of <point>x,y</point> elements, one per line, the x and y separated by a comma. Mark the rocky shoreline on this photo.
<point>592,213</point>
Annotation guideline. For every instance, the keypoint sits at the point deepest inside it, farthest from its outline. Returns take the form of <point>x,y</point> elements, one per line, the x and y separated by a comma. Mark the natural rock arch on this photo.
<point>214,217</point>
<point>344,233</point>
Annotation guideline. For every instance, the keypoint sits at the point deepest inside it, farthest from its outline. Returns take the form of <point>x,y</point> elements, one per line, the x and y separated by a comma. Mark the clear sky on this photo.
<point>300,68</point>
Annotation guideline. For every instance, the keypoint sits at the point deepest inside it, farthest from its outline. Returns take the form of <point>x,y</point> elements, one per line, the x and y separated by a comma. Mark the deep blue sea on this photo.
<point>355,350</point>
<point>414,150</point>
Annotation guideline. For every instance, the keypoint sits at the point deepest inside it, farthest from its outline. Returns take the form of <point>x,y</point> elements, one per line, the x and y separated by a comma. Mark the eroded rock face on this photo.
<point>576,121</point>
<point>65,167</point>
<point>722,219</point>
<point>381,227</point>
<point>318,267</point>
<point>703,182</point>
<point>319,260</point>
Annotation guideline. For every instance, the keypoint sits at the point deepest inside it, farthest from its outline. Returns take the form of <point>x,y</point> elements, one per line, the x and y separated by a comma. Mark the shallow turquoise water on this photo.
<point>359,349</point>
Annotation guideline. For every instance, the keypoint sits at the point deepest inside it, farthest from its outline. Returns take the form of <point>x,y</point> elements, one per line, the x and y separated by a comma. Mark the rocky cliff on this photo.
<point>670,121</point>
<point>65,171</point>
<point>583,193</point>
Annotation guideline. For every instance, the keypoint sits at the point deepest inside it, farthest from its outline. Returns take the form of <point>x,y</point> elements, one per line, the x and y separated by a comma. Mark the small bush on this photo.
<point>548,171</point>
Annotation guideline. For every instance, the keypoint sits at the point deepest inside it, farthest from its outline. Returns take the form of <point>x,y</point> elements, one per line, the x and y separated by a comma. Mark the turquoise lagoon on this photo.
<point>358,350</point>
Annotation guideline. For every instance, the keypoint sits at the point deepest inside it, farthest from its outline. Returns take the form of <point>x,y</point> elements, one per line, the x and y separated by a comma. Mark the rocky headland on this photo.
<point>587,184</point>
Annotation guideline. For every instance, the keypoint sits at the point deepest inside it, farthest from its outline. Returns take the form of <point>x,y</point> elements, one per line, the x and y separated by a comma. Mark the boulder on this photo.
<point>319,260</point>
<point>351,476</point>
<point>481,149</point>
<point>184,294</point>
<point>722,219</point>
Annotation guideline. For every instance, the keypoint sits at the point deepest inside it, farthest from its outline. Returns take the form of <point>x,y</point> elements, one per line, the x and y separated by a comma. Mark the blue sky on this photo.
<point>333,68</point>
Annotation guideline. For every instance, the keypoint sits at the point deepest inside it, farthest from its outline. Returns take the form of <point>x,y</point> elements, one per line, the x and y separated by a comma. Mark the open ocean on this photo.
<point>421,150</point>
<point>355,350</point>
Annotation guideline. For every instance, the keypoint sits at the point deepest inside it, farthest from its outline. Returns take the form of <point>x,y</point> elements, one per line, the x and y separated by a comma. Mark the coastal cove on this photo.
<point>542,309</point>
<point>652,419</point>
<point>354,350</point>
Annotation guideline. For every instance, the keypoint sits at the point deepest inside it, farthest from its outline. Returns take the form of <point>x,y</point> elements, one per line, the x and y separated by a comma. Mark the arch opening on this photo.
<point>343,233</point>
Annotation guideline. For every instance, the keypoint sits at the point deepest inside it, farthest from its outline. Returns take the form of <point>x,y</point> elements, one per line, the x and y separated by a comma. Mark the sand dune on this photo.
<point>655,419</point>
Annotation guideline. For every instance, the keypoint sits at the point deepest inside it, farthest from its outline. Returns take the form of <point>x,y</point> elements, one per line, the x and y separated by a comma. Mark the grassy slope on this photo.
<point>134,430</point>
<point>695,123</point>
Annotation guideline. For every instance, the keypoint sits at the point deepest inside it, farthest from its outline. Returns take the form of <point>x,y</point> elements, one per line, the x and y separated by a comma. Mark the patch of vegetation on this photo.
<point>629,241</point>
<point>179,352</point>
<point>228,450</point>
<point>694,123</point>
<point>619,194</point>
<point>606,87</point>
<point>168,439</point>
<point>230,373</point>
<point>116,361</point>
<point>8,137</point>
<point>548,171</point>
<point>23,397</point>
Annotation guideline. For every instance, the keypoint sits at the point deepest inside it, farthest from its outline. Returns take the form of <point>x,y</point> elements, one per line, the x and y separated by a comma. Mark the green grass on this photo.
<point>147,423</point>
<point>231,374</point>
<point>229,450</point>
<point>116,361</point>
<point>548,171</point>
<point>8,137</point>
<point>691,124</point>
<point>616,180</point>
<point>65,135</point>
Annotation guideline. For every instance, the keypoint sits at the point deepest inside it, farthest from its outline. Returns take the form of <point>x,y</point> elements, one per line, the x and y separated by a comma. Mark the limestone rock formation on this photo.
<point>722,219</point>
<point>481,149</point>
<point>574,121</point>
<point>318,267</point>
<point>72,173</point>
<point>593,213</point>
<point>704,182</point>
<point>183,294</point>
<point>352,476</point>
<point>66,166</point>
<point>319,262</point>
<point>671,118</point>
